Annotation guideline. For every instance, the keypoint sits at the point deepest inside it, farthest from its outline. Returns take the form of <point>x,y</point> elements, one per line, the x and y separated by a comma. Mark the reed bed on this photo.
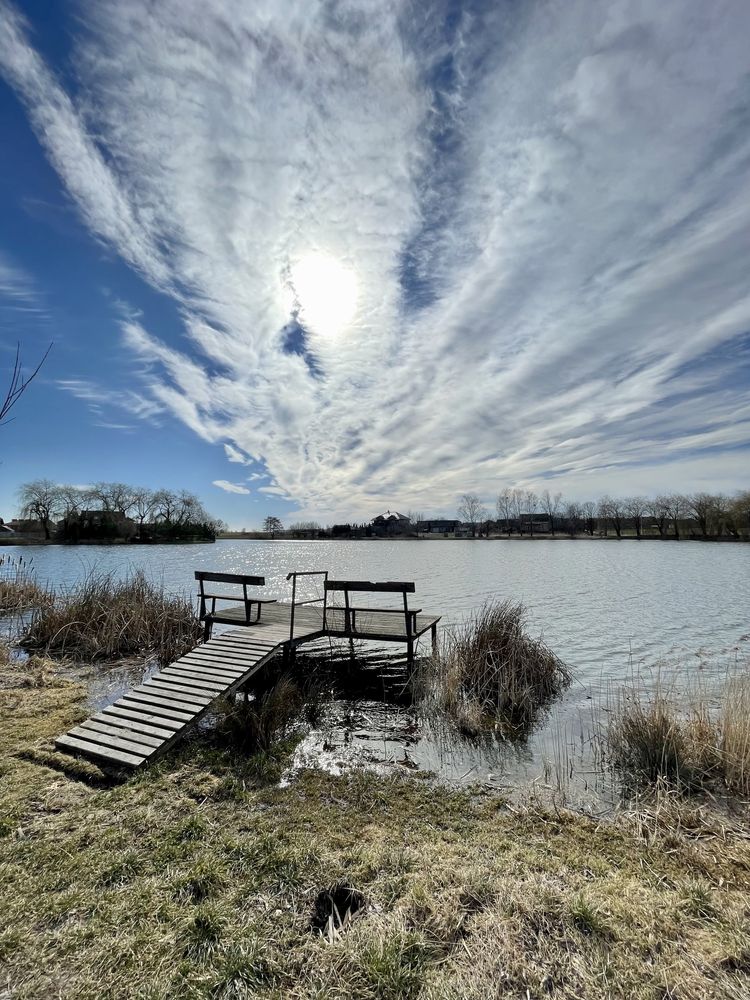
<point>651,742</point>
<point>105,617</point>
<point>489,669</point>
<point>19,589</point>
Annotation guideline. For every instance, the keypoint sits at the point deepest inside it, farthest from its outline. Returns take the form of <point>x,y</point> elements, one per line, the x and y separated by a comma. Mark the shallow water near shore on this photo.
<point>675,611</point>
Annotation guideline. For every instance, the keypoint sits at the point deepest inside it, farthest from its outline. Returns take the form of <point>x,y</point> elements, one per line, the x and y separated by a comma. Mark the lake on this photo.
<point>609,608</point>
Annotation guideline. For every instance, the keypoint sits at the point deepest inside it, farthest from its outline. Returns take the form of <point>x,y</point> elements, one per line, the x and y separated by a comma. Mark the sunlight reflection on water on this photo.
<point>607,608</point>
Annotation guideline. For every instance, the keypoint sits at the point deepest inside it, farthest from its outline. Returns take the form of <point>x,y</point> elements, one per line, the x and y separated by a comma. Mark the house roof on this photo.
<point>391,515</point>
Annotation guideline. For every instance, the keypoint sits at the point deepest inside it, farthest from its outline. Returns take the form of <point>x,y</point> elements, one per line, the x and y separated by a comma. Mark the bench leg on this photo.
<point>207,628</point>
<point>410,653</point>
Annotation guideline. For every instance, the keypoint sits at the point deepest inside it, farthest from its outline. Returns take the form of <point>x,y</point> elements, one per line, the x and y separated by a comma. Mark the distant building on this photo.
<point>438,526</point>
<point>5,529</point>
<point>390,523</point>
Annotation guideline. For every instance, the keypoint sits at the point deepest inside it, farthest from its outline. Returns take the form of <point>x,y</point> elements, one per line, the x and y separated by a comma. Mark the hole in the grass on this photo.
<point>334,907</point>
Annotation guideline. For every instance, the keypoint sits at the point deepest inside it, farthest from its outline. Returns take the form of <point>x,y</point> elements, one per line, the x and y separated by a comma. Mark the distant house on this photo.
<point>5,529</point>
<point>390,523</point>
<point>535,524</point>
<point>438,526</point>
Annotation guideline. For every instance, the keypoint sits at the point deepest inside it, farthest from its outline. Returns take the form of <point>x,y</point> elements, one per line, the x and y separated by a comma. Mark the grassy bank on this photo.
<point>202,878</point>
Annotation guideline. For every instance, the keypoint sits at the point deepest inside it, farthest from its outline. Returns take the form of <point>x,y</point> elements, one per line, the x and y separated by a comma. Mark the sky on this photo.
<point>318,259</point>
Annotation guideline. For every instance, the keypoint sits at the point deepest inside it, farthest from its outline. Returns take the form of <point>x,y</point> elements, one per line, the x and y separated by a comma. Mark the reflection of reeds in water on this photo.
<point>489,669</point>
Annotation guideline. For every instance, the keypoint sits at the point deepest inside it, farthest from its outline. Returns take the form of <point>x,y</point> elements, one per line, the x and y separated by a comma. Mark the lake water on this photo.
<point>607,608</point>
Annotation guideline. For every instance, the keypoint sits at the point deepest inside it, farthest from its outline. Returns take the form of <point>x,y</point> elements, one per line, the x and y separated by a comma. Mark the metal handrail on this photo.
<point>293,577</point>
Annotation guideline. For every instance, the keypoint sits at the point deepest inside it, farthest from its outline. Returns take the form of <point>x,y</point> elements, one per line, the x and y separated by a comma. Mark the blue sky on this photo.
<point>318,259</point>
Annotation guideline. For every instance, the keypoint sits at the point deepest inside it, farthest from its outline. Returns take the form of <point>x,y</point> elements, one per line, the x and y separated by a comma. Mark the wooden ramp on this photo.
<point>144,722</point>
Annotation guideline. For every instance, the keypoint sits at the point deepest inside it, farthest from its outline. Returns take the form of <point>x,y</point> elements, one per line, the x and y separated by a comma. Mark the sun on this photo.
<point>325,291</point>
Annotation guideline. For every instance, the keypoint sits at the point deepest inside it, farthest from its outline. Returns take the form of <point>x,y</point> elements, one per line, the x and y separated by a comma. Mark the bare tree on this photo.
<point>531,503</point>
<point>702,506</point>
<point>573,516</point>
<point>18,384</point>
<point>611,510</point>
<point>588,512</point>
<point>118,498</point>
<point>272,525</point>
<point>551,507</point>
<point>635,508</point>
<point>504,507</point>
<point>40,500</point>
<point>738,513</point>
<point>166,504</point>
<point>144,505</point>
<point>675,509</point>
<point>471,511</point>
<point>658,508</point>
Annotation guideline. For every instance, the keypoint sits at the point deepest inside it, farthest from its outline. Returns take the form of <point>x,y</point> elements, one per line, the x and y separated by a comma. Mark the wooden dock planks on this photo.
<point>152,716</point>
<point>148,719</point>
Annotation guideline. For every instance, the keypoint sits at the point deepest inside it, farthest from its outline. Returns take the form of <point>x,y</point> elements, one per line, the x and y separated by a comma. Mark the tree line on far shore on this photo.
<point>108,511</point>
<point>524,511</point>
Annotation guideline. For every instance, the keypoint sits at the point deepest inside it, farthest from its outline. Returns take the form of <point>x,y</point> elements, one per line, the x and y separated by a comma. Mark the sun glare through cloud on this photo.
<point>409,250</point>
<point>325,291</point>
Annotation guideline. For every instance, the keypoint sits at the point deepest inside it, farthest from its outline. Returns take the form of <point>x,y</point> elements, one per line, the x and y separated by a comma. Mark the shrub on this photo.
<point>490,667</point>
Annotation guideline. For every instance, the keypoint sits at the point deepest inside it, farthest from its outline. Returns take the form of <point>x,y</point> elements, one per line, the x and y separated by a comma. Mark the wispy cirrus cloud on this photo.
<point>547,211</point>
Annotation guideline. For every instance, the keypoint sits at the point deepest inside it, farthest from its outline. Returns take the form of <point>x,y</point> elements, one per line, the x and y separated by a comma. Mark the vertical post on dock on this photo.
<point>433,631</point>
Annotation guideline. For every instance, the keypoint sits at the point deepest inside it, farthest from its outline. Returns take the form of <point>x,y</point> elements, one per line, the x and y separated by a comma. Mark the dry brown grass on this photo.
<point>19,589</point>
<point>653,742</point>
<point>490,669</point>
<point>255,725</point>
<point>105,617</point>
<point>189,881</point>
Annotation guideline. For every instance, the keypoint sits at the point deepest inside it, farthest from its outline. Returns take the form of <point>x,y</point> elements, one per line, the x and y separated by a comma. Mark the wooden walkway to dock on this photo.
<point>143,723</point>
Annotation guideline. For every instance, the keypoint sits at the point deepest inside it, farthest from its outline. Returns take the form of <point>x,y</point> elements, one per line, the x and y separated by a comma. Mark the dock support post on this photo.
<point>433,631</point>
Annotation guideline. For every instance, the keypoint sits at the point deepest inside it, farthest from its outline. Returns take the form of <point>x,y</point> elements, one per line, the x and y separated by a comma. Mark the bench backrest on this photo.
<point>245,581</point>
<point>386,586</point>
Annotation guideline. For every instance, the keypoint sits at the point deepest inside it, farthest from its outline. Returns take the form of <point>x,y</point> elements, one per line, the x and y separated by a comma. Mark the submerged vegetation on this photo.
<point>650,741</point>
<point>104,616</point>
<point>490,670</point>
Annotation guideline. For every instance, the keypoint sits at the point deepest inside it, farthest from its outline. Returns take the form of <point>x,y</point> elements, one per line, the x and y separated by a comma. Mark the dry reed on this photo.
<point>19,589</point>
<point>490,668</point>
<point>104,617</point>
<point>653,743</point>
<point>254,726</point>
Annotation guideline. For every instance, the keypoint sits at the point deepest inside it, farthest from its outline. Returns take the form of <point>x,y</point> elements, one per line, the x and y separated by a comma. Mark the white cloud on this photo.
<point>228,487</point>
<point>572,203</point>
<point>234,454</point>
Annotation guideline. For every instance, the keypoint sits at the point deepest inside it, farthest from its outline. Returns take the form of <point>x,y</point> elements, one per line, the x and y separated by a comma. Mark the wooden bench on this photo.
<point>213,617</point>
<point>350,610</point>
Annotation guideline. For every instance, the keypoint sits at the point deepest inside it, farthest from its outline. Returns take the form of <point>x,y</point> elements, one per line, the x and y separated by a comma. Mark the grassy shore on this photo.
<point>200,878</point>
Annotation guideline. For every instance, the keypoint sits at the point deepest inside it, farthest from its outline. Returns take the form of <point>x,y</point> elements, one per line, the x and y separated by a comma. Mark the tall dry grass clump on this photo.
<point>490,668</point>
<point>652,742</point>
<point>104,617</point>
<point>19,589</point>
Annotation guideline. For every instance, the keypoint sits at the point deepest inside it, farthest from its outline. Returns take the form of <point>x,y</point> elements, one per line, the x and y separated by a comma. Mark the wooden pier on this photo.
<point>143,723</point>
